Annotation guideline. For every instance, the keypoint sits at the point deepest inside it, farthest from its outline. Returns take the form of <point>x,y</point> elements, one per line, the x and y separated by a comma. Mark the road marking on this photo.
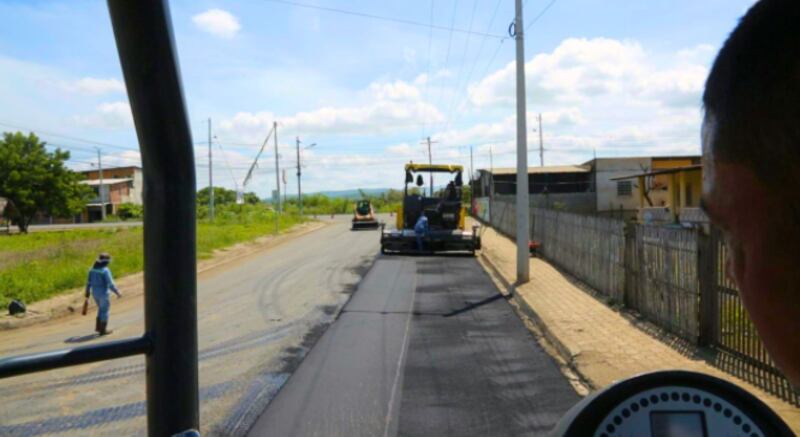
<point>401,358</point>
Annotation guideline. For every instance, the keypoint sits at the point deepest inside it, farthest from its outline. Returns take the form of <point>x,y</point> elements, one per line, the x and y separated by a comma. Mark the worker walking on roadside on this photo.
<point>100,282</point>
<point>421,230</point>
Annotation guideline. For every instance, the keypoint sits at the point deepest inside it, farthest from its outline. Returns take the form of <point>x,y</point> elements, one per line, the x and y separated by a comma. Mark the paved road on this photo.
<point>257,319</point>
<point>425,347</point>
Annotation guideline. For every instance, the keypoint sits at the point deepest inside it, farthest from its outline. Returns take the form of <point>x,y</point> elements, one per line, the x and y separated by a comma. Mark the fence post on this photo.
<point>706,275</point>
<point>628,264</point>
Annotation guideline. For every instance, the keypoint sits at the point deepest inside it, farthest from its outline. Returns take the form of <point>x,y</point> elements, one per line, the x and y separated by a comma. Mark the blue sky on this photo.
<point>613,78</point>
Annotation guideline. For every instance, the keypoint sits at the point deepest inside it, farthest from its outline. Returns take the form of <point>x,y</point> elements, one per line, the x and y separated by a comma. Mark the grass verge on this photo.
<point>40,265</point>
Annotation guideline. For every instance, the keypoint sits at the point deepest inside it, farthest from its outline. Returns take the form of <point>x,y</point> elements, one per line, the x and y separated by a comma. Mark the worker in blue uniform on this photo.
<point>421,230</point>
<point>100,281</point>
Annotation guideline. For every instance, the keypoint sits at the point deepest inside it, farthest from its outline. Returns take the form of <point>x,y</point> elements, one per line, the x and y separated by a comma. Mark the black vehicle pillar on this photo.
<point>145,43</point>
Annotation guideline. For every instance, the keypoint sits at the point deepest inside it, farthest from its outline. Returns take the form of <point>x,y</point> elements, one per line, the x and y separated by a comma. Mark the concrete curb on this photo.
<point>70,302</point>
<point>560,348</point>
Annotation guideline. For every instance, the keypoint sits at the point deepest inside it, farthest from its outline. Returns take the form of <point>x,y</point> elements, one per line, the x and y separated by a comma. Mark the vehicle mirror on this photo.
<point>409,178</point>
<point>420,181</point>
<point>459,180</point>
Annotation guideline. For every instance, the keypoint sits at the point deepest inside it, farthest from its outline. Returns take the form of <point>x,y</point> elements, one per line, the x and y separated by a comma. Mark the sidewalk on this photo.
<point>600,344</point>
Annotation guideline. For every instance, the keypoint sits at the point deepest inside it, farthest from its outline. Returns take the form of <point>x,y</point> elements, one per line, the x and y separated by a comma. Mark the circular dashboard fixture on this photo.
<point>670,404</point>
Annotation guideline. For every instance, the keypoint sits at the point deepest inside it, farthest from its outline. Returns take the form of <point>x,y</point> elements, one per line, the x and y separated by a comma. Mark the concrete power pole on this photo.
<point>541,143</point>
<point>471,173</point>
<point>491,184</point>
<point>277,168</point>
<point>491,173</point>
<point>210,176</point>
<point>523,212</point>
<point>283,177</point>
<point>430,161</point>
<point>299,189</point>
<point>100,185</point>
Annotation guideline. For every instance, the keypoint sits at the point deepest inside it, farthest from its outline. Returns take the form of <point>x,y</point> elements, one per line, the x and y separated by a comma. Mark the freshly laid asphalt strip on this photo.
<point>426,346</point>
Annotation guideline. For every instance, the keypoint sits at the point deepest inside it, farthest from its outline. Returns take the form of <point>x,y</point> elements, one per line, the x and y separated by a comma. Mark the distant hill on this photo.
<point>352,194</point>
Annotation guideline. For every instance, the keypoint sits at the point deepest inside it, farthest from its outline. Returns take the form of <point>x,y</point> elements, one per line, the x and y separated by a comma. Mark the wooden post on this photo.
<point>641,180</point>
<point>707,246</point>
<point>673,197</point>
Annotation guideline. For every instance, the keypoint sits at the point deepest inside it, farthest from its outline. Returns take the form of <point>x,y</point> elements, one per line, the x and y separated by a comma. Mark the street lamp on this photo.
<point>299,166</point>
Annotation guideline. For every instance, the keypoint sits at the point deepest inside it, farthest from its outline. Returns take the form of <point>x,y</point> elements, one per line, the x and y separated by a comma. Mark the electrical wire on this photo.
<point>463,59</point>
<point>447,53</point>
<point>67,137</point>
<point>458,108</point>
<point>228,163</point>
<point>428,74</point>
<point>381,18</point>
<point>537,17</point>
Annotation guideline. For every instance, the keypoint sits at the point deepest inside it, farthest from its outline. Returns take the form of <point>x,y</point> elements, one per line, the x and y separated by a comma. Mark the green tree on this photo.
<point>251,198</point>
<point>222,196</point>
<point>35,180</point>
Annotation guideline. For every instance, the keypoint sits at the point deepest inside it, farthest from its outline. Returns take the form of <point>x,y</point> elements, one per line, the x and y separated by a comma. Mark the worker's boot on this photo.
<point>97,324</point>
<point>103,330</point>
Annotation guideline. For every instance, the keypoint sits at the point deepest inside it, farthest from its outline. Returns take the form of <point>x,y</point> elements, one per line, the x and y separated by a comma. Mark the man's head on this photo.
<point>751,174</point>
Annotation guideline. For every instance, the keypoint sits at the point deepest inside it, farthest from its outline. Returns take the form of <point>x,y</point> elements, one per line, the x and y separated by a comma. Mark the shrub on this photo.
<point>130,211</point>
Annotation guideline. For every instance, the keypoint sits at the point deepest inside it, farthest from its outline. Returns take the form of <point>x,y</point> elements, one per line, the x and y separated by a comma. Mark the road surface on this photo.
<point>257,319</point>
<point>426,346</point>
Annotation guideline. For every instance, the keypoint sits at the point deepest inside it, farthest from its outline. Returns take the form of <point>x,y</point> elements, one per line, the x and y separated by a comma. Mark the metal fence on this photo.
<point>672,276</point>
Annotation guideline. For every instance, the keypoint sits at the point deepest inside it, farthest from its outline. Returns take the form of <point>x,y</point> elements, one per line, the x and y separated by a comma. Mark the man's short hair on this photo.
<point>753,93</point>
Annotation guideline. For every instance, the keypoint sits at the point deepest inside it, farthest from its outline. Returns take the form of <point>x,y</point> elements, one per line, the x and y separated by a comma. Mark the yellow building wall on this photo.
<point>694,181</point>
<point>660,182</point>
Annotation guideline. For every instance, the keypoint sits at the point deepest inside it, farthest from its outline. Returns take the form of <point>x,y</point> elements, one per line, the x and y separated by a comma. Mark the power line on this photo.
<point>382,18</point>
<point>447,53</point>
<point>428,74</point>
<point>463,58</point>
<point>54,134</point>
<point>539,15</point>
<point>228,164</point>
<point>458,109</point>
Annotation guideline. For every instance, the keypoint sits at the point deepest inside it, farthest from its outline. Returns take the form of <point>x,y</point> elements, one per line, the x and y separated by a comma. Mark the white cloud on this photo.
<point>700,52</point>
<point>387,107</point>
<point>611,96</point>
<point>397,90</point>
<point>110,115</point>
<point>217,22</point>
<point>92,85</point>
<point>579,70</point>
<point>402,149</point>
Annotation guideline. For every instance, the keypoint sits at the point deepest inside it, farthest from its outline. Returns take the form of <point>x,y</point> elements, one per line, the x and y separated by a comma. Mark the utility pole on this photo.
<point>299,190</point>
<point>471,169</point>
<point>210,176</point>
<point>541,143</point>
<point>471,173</point>
<point>100,186</point>
<point>523,212</point>
<point>283,176</point>
<point>277,170</point>
<point>491,173</point>
<point>491,183</point>
<point>430,161</point>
